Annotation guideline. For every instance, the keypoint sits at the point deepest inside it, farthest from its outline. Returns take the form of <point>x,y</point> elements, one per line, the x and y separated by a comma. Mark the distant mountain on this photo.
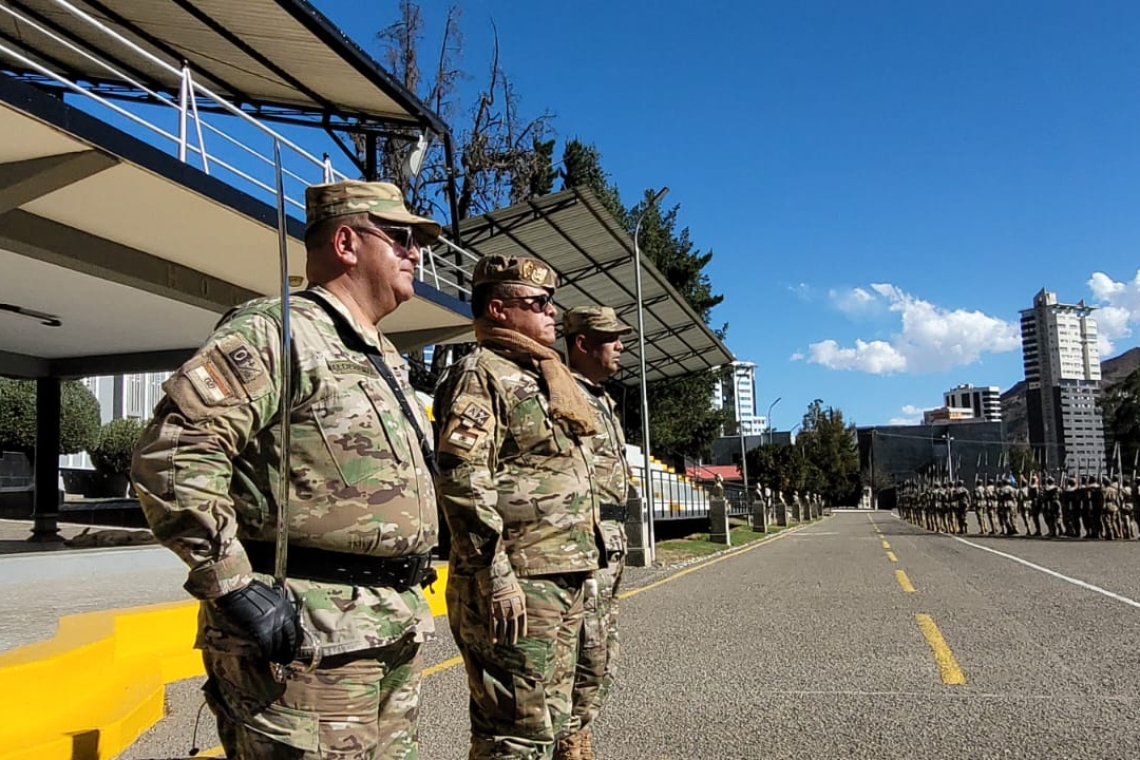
<point>1013,413</point>
<point>1113,370</point>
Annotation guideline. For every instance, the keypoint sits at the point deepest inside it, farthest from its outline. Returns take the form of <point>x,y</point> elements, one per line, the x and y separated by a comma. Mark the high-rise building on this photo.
<point>738,396</point>
<point>985,402</point>
<point>1062,378</point>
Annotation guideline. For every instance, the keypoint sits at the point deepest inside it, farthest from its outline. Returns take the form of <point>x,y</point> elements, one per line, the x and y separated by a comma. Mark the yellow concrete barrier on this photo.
<point>91,690</point>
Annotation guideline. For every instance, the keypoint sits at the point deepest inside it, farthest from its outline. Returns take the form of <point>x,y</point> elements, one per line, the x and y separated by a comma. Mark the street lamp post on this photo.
<point>648,495</point>
<point>768,418</point>
<point>743,447</point>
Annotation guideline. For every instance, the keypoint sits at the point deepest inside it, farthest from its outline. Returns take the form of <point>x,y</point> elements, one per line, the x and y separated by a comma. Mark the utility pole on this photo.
<point>949,456</point>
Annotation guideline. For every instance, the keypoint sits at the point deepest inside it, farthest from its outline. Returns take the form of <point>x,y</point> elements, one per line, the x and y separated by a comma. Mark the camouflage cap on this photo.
<point>602,319</point>
<point>380,199</point>
<point>519,271</point>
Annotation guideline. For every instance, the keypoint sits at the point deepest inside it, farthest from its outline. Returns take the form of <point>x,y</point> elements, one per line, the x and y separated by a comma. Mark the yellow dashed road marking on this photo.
<point>442,666</point>
<point>891,556</point>
<point>947,665</point>
<point>886,545</point>
<point>904,581</point>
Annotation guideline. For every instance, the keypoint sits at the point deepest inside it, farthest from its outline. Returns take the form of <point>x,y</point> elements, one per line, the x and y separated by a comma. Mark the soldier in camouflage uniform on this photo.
<point>960,496</point>
<point>514,433</point>
<point>1113,501</point>
<point>1025,506</point>
<point>979,504</point>
<point>349,625</point>
<point>1050,495</point>
<point>1006,496</point>
<point>593,351</point>
<point>1071,507</point>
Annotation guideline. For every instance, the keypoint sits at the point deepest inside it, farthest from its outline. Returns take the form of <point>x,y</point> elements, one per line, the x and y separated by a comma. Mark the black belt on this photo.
<point>306,563</point>
<point>615,512</point>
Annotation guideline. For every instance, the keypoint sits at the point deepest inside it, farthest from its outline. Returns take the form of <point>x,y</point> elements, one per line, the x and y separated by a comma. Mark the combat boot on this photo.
<point>570,747</point>
<point>587,737</point>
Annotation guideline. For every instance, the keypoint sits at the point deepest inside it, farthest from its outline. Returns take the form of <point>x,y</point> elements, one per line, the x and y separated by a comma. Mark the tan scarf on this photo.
<point>567,401</point>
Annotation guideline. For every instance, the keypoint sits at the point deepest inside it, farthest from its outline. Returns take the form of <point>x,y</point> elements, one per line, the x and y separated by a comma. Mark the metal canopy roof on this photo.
<point>276,54</point>
<point>116,257</point>
<point>574,233</point>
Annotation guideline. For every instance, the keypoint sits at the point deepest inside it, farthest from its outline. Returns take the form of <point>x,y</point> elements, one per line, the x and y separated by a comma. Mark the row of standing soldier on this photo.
<point>1107,507</point>
<point>321,656</point>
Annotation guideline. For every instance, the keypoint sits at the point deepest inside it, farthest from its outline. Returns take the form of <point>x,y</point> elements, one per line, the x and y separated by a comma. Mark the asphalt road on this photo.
<point>812,645</point>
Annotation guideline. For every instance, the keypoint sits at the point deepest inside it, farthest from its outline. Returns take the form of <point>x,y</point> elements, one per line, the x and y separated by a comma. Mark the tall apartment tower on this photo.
<point>739,394</point>
<point>1062,378</point>
<point>985,402</point>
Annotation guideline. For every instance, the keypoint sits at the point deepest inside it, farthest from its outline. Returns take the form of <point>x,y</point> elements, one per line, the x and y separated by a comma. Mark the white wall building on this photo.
<point>984,402</point>
<point>120,396</point>
<point>739,398</point>
<point>1062,378</point>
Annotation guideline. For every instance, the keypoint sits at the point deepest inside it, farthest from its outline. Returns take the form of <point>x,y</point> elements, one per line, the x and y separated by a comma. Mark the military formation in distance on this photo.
<point>1105,507</point>
<point>525,459</point>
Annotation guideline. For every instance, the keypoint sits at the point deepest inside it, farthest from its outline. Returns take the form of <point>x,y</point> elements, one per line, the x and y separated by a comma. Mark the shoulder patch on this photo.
<point>211,385</point>
<point>246,363</point>
<point>465,426</point>
<point>476,415</point>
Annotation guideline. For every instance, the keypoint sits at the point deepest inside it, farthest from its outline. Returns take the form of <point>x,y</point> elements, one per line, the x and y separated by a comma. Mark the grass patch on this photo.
<point>699,545</point>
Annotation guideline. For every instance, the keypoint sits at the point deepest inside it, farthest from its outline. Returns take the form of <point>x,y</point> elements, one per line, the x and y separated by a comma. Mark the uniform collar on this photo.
<point>329,298</point>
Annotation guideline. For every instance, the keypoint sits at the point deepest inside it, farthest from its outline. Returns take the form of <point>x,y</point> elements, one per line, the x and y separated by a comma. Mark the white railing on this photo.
<point>674,494</point>
<point>281,164</point>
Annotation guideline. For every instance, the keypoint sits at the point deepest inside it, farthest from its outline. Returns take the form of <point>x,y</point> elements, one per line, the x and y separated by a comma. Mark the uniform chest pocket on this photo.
<point>358,432</point>
<point>536,433</point>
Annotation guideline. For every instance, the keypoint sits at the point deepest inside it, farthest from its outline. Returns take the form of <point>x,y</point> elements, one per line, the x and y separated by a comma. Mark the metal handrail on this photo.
<point>456,272</point>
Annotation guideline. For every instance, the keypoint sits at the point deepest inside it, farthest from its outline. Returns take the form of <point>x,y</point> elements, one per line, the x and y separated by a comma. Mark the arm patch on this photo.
<point>464,429</point>
<point>224,374</point>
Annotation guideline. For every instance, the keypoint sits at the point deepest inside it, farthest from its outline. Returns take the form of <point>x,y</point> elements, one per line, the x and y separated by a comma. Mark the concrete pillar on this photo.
<point>48,497</point>
<point>638,552</point>
<point>759,516</point>
<point>796,515</point>
<point>781,511</point>
<point>718,521</point>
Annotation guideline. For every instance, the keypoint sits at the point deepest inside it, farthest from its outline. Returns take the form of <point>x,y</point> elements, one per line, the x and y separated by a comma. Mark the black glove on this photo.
<point>267,616</point>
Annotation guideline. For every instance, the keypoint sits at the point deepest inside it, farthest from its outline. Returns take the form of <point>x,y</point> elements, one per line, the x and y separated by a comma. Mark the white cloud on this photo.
<point>802,291</point>
<point>877,357</point>
<point>854,302</point>
<point>798,356</point>
<point>932,338</point>
<point>913,415</point>
<point>1119,309</point>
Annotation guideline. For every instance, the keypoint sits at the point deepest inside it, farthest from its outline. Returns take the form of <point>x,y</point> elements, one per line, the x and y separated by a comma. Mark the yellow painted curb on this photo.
<point>99,683</point>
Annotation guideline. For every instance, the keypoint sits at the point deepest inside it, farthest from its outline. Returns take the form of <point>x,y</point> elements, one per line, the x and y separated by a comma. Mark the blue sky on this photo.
<point>884,184</point>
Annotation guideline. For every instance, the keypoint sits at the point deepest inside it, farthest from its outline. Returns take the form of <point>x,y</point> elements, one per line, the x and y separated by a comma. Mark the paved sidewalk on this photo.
<point>41,584</point>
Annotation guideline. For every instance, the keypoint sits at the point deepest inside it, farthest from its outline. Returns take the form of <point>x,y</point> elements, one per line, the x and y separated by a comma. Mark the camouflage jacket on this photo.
<point>612,472</point>
<point>515,485</point>
<point>206,470</point>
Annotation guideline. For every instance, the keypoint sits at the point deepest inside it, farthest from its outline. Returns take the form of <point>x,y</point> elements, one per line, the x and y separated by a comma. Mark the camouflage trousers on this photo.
<point>521,693</point>
<point>355,706</point>
<point>598,646</point>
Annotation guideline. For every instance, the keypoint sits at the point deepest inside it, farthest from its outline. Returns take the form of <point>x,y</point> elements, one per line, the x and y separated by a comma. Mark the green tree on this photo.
<point>1121,408</point>
<point>829,444</point>
<point>78,421</point>
<point>115,446</point>
<point>1021,459</point>
<point>582,167</point>
<point>783,468</point>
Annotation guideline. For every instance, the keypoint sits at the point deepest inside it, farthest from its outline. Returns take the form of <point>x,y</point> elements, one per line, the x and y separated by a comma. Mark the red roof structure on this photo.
<point>709,472</point>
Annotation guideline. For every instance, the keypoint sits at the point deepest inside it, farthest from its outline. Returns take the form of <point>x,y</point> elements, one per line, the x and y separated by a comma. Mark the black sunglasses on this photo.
<point>530,302</point>
<point>402,237</point>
